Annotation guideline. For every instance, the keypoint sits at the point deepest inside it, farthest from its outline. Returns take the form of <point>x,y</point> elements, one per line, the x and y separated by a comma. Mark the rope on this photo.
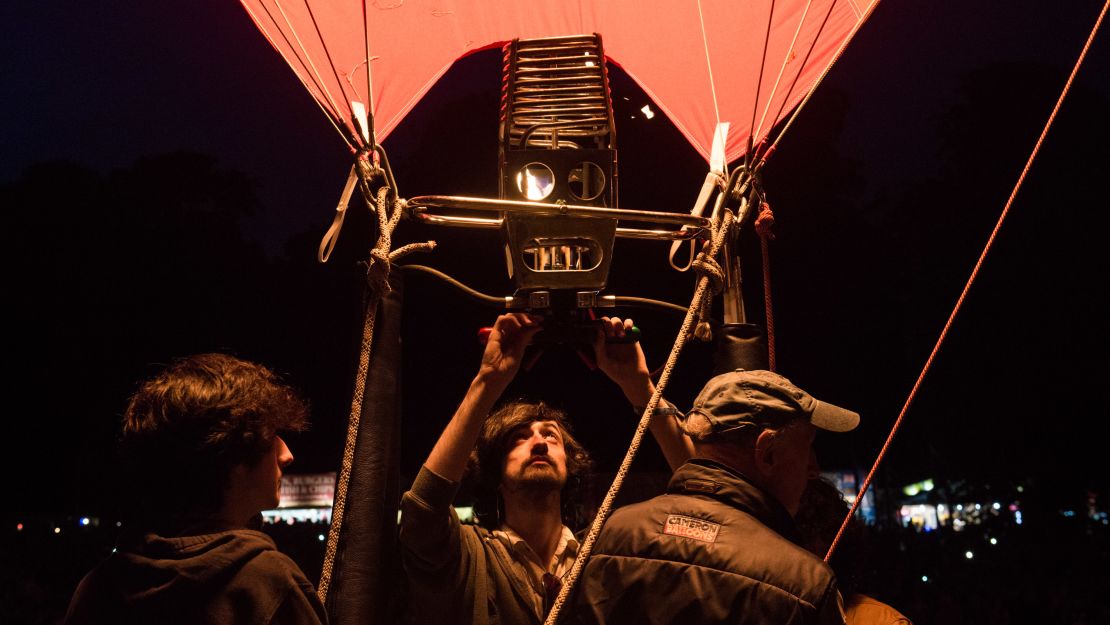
<point>308,59</point>
<point>804,62</point>
<point>782,68</point>
<point>763,224</point>
<point>970,281</point>
<point>836,57</point>
<point>721,227</point>
<point>708,267</point>
<point>332,116</point>
<point>748,156</point>
<point>377,275</point>
<point>712,84</point>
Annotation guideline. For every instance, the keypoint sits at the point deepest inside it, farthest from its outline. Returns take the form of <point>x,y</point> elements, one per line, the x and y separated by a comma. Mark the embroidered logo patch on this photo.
<point>689,527</point>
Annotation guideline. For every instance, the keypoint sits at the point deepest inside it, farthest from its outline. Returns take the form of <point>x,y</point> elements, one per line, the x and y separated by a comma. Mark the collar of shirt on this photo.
<point>526,562</point>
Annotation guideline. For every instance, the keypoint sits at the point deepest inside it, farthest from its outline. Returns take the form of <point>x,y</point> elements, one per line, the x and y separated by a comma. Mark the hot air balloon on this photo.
<point>725,73</point>
<point>728,75</point>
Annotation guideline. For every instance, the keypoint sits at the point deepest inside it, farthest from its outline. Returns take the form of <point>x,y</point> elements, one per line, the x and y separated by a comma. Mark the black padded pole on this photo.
<point>365,581</point>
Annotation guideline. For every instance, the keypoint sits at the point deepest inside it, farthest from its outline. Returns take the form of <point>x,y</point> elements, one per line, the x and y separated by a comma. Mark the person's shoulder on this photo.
<point>95,597</point>
<point>263,563</point>
<point>635,511</point>
<point>865,610</point>
<point>272,575</point>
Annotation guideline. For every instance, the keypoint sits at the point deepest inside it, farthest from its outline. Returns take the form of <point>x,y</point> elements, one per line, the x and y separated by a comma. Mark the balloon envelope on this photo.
<point>700,61</point>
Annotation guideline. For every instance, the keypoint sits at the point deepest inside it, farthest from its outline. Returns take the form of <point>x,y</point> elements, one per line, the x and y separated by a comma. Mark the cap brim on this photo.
<point>833,418</point>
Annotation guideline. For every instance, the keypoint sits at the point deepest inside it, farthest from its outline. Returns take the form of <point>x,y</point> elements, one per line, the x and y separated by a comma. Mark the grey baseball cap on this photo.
<point>741,398</point>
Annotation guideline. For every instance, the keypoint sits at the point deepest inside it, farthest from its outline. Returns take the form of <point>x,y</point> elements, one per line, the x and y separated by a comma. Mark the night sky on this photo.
<point>169,179</point>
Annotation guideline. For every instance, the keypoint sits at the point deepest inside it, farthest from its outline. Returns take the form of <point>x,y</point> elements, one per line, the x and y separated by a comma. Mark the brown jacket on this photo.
<point>714,549</point>
<point>457,574</point>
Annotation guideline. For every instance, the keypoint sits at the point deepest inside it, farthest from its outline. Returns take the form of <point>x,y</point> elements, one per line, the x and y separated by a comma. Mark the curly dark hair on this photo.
<point>189,425</point>
<point>485,464</point>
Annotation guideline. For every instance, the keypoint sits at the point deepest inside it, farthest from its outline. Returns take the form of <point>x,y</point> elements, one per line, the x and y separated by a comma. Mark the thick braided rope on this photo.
<point>710,268</point>
<point>377,273</point>
<point>967,287</point>
<point>721,228</point>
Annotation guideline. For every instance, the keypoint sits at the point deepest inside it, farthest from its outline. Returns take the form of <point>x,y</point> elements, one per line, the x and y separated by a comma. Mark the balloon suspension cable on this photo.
<point>760,159</point>
<point>709,272</point>
<point>372,138</point>
<point>798,75</point>
<point>318,80</point>
<point>756,129</point>
<point>377,276</point>
<point>712,83</point>
<point>324,45</point>
<point>332,115</point>
<point>759,84</point>
<point>970,281</point>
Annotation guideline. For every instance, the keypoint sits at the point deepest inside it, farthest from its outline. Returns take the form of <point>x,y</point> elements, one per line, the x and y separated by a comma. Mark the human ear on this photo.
<point>764,453</point>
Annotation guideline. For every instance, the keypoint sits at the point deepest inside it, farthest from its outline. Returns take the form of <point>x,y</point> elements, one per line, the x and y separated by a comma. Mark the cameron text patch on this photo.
<point>689,527</point>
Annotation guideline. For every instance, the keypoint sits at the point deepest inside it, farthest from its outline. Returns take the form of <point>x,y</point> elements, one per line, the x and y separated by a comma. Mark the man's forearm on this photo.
<point>675,445</point>
<point>449,456</point>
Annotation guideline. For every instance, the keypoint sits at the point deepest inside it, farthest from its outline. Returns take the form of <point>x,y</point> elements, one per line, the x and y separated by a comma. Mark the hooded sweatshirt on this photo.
<point>235,576</point>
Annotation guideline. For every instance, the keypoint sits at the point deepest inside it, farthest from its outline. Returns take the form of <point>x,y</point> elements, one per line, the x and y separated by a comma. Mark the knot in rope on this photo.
<point>377,272</point>
<point>707,266</point>
<point>377,267</point>
<point>703,331</point>
<point>765,221</point>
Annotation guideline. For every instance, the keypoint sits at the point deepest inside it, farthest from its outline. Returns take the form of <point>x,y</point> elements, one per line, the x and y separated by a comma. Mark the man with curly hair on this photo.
<point>524,457</point>
<point>203,456</point>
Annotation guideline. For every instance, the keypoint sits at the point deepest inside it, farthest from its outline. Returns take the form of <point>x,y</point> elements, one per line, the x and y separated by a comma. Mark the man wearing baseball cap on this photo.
<point>721,546</point>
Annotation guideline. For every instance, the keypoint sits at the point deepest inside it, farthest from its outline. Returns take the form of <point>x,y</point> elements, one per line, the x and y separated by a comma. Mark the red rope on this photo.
<point>970,280</point>
<point>763,224</point>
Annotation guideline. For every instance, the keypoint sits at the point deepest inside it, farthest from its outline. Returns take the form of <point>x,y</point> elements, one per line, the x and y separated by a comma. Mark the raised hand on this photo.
<point>624,363</point>
<point>511,335</point>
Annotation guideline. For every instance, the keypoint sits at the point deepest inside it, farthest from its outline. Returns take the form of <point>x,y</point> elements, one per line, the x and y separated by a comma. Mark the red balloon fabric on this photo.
<point>701,61</point>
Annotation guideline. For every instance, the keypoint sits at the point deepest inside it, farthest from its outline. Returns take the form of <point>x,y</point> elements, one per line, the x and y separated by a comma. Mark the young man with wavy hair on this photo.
<point>203,456</point>
<point>526,462</point>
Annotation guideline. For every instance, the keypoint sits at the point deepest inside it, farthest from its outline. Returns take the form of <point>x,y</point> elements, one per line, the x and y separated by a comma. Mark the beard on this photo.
<point>536,479</point>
